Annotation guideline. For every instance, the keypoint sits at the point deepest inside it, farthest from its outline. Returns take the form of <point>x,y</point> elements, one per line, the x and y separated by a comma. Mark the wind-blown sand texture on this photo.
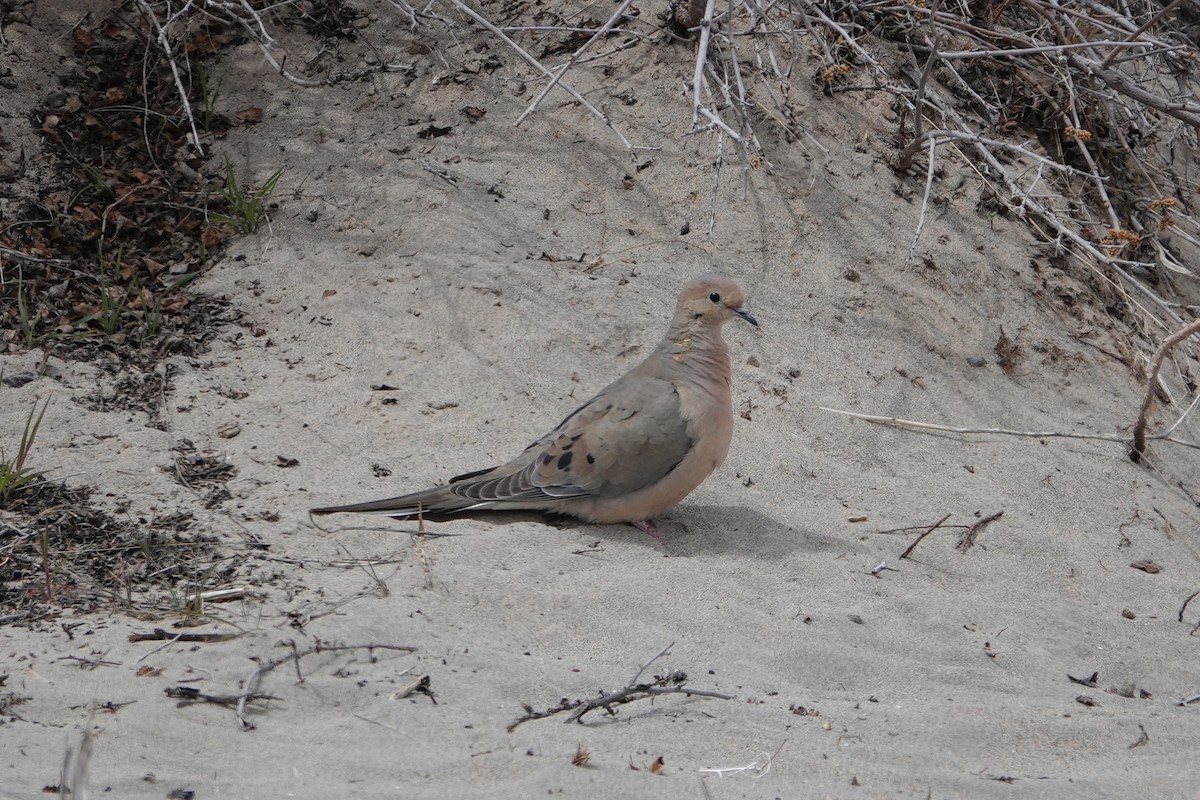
<point>431,305</point>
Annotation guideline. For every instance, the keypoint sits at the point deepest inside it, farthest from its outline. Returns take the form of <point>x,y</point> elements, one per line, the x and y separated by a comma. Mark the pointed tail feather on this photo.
<point>503,488</point>
<point>431,504</point>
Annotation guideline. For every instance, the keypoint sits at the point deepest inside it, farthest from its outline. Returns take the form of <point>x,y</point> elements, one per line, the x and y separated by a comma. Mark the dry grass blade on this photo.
<point>13,473</point>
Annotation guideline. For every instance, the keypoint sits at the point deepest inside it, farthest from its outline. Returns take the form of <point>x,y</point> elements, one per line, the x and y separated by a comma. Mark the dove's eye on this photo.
<point>714,296</point>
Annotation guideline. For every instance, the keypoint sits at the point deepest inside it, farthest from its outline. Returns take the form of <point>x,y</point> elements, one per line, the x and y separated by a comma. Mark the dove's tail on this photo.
<point>431,504</point>
<point>495,489</point>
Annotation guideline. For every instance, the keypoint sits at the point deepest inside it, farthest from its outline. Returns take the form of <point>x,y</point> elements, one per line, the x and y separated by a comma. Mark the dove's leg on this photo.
<point>647,528</point>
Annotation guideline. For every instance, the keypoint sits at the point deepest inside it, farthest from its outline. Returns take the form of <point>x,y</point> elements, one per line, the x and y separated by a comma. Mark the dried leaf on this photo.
<point>211,236</point>
<point>1009,352</point>
<point>83,39</point>
<point>253,114</point>
<point>434,131</point>
<point>1145,565</point>
<point>114,31</point>
<point>228,430</point>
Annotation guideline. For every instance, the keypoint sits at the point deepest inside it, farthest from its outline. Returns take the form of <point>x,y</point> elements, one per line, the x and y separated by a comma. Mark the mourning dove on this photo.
<point>631,452</point>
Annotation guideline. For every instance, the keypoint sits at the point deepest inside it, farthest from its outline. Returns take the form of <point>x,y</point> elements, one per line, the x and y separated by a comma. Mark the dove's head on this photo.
<point>711,300</point>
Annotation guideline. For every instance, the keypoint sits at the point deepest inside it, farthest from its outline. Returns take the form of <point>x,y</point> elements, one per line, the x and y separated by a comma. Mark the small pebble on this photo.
<point>18,379</point>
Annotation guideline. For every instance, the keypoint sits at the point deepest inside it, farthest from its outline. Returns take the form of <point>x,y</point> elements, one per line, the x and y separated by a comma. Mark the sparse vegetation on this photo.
<point>1068,119</point>
<point>245,208</point>
<point>14,473</point>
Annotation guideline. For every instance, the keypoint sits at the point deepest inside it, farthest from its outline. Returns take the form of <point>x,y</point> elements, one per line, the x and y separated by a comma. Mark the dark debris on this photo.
<point>68,553</point>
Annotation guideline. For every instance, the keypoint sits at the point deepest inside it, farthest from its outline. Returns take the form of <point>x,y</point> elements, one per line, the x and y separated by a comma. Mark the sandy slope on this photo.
<point>418,264</point>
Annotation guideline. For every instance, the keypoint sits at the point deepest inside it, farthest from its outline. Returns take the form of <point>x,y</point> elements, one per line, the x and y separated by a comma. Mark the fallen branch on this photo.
<point>187,695</point>
<point>558,74</point>
<point>968,539</point>
<point>897,422</point>
<point>908,551</point>
<point>164,44</point>
<point>705,26</point>
<point>533,62</point>
<point>159,635</point>
<point>250,685</point>
<point>909,424</point>
<point>1190,598</point>
<point>1139,430</point>
<point>671,683</point>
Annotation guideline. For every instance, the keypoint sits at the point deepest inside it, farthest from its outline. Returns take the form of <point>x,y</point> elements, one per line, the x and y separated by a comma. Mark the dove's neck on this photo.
<point>699,347</point>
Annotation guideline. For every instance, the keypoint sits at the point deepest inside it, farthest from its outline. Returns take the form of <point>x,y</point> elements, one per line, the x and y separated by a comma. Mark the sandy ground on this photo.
<point>418,265</point>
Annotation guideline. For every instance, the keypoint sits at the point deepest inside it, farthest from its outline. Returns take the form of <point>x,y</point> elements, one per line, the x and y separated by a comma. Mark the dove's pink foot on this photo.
<point>647,528</point>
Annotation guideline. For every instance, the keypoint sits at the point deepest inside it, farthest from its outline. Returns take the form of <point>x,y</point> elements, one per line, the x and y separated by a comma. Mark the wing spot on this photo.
<point>468,475</point>
<point>564,461</point>
<point>546,459</point>
<point>591,459</point>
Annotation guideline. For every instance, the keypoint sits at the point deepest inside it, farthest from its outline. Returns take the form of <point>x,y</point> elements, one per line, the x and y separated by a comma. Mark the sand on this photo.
<point>495,277</point>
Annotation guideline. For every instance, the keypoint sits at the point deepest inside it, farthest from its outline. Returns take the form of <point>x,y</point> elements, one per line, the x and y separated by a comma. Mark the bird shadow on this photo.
<point>691,530</point>
<point>687,530</point>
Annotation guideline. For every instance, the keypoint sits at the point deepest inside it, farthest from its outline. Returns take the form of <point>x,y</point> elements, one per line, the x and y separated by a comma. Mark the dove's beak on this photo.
<point>746,315</point>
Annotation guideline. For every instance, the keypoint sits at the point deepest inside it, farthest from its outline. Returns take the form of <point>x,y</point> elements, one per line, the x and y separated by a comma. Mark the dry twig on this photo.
<point>1139,430</point>
<point>909,424</point>
<point>670,683</point>
<point>908,550</point>
<point>968,539</point>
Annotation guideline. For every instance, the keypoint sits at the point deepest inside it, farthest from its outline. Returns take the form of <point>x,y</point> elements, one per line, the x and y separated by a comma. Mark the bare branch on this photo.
<point>554,80</point>
<point>533,62</point>
<point>1139,429</point>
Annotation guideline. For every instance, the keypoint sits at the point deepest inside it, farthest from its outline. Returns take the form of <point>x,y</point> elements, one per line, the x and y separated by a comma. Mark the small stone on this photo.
<point>228,430</point>
<point>19,379</point>
<point>1128,614</point>
<point>977,361</point>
